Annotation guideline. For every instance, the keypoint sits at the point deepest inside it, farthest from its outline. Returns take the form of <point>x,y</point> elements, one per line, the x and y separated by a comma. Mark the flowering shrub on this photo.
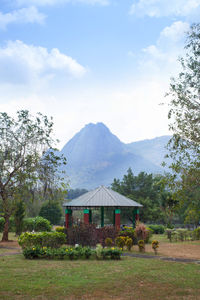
<point>70,253</point>
<point>108,242</point>
<point>129,243</point>
<point>141,245</point>
<point>155,246</point>
<point>120,241</point>
<point>44,239</point>
<point>129,232</point>
<point>112,253</point>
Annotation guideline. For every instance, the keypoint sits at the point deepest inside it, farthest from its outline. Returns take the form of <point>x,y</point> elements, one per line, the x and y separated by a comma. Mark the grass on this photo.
<point>129,278</point>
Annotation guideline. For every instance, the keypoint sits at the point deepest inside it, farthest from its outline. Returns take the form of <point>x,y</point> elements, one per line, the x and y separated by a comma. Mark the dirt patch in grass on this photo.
<point>182,250</point>
<point>10,244</point>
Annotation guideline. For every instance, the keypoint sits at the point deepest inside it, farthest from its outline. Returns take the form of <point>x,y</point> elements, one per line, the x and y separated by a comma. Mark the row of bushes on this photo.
<point>72,253</point>
<point>182,234</point>
<point>37,224</point>
<point>44,239</point>
<point>89,235</point>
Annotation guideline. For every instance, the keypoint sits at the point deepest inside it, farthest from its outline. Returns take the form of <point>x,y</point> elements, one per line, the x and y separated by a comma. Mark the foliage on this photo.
<point>70,253</point>
<point>157,229</point>
<point>37,224</point>
<point>112,253</point>
<point>108,242</point>
<point>2,222</point>
<point>23,158</point>
<point>129,232</point>
<point>196,233</point>
<point>142,232</point>
<point>99,249</point>
<point>104,232</point>
<point>141,245</point>
<point>129,243</point>
<point>155,246</point>
<point>89,235</point>
<point>120,241</point>
<point>184,146</point>
<point>19,216</point>
<point>44,239</point>
<point>82,234</point>
<point>146,190</point>
<point>51,211</point>
<point>60,229</point>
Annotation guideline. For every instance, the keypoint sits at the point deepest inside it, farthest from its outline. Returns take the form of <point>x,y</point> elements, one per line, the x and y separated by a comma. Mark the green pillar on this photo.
<point>90,216</point>
<point>102,216</point>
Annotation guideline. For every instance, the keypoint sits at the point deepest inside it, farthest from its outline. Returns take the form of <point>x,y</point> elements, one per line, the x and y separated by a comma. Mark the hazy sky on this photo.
<point>84,61</point>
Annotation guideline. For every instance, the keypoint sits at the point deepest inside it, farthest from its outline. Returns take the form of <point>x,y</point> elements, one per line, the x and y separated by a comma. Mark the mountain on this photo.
<point>96,156</point>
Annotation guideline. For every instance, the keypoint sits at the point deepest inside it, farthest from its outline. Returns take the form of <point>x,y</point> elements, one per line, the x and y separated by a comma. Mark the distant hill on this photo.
<point>95,156</point>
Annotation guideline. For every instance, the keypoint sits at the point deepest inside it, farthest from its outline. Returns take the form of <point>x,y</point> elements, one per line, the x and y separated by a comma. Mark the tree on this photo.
<point>24,143</point>
<point>19,215</point>
<point>51,211</point>
<point>143,188</point>
<point>184,112</point>
<point>184,115</point>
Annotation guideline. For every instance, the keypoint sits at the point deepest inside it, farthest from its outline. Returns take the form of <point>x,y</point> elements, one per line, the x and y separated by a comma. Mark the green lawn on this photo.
<point>129,278</point>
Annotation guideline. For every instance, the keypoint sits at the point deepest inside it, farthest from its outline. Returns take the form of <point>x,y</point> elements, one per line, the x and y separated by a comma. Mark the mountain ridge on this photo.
<point>96,156</point>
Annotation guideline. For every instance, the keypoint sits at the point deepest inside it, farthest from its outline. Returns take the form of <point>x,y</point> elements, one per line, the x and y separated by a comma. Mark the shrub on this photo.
<point>45,239</point>
<point>29,224</point>
<point>37,224</point>
<point>89,235</point>
<point>129,232</point>
<point>84,235</point>
<point>129,243</point>
<point>108,242</point>
<point>120,241</point>
<point>60,229</point>
<point>104,232</point>
<point>141,245</point>
<point>142,232</point>
<point>99,249</point>
<point>155,245</point>
<point>157,229</point>
<point>196,233</point>
<point>112,253</point>
<point>42,224</point>
<point>182,234</point>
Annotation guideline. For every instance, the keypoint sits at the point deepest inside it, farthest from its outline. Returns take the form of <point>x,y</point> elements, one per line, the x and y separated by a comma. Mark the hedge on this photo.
<point>43,239</point>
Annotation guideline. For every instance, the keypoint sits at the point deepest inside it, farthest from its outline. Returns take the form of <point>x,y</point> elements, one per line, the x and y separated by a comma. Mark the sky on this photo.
<point>83,61</point>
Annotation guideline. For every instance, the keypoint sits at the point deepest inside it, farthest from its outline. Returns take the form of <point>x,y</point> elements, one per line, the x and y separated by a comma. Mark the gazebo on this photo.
<point>100,198</point>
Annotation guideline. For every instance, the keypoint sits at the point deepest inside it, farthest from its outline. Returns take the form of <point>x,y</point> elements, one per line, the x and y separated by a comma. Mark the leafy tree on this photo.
<point>143,188</point>
<point>24,143</point>
<point>51,211</point>
<point>184,115</point>
<point>184,112</point>
<point>19,215</point>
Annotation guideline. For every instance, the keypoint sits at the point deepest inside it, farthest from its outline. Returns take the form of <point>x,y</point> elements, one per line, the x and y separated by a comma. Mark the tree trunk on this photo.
<point>6,229</point>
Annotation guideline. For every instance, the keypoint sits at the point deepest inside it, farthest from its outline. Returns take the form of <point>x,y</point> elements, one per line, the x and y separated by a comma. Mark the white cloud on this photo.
<point>21,63</point>
<point>164,8</point>
<point>55,2</point>
<point>23,15</point>
<point>162,58</point>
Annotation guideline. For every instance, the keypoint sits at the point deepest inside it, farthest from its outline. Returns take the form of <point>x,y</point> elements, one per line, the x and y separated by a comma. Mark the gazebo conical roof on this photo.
<point>101,197</point>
